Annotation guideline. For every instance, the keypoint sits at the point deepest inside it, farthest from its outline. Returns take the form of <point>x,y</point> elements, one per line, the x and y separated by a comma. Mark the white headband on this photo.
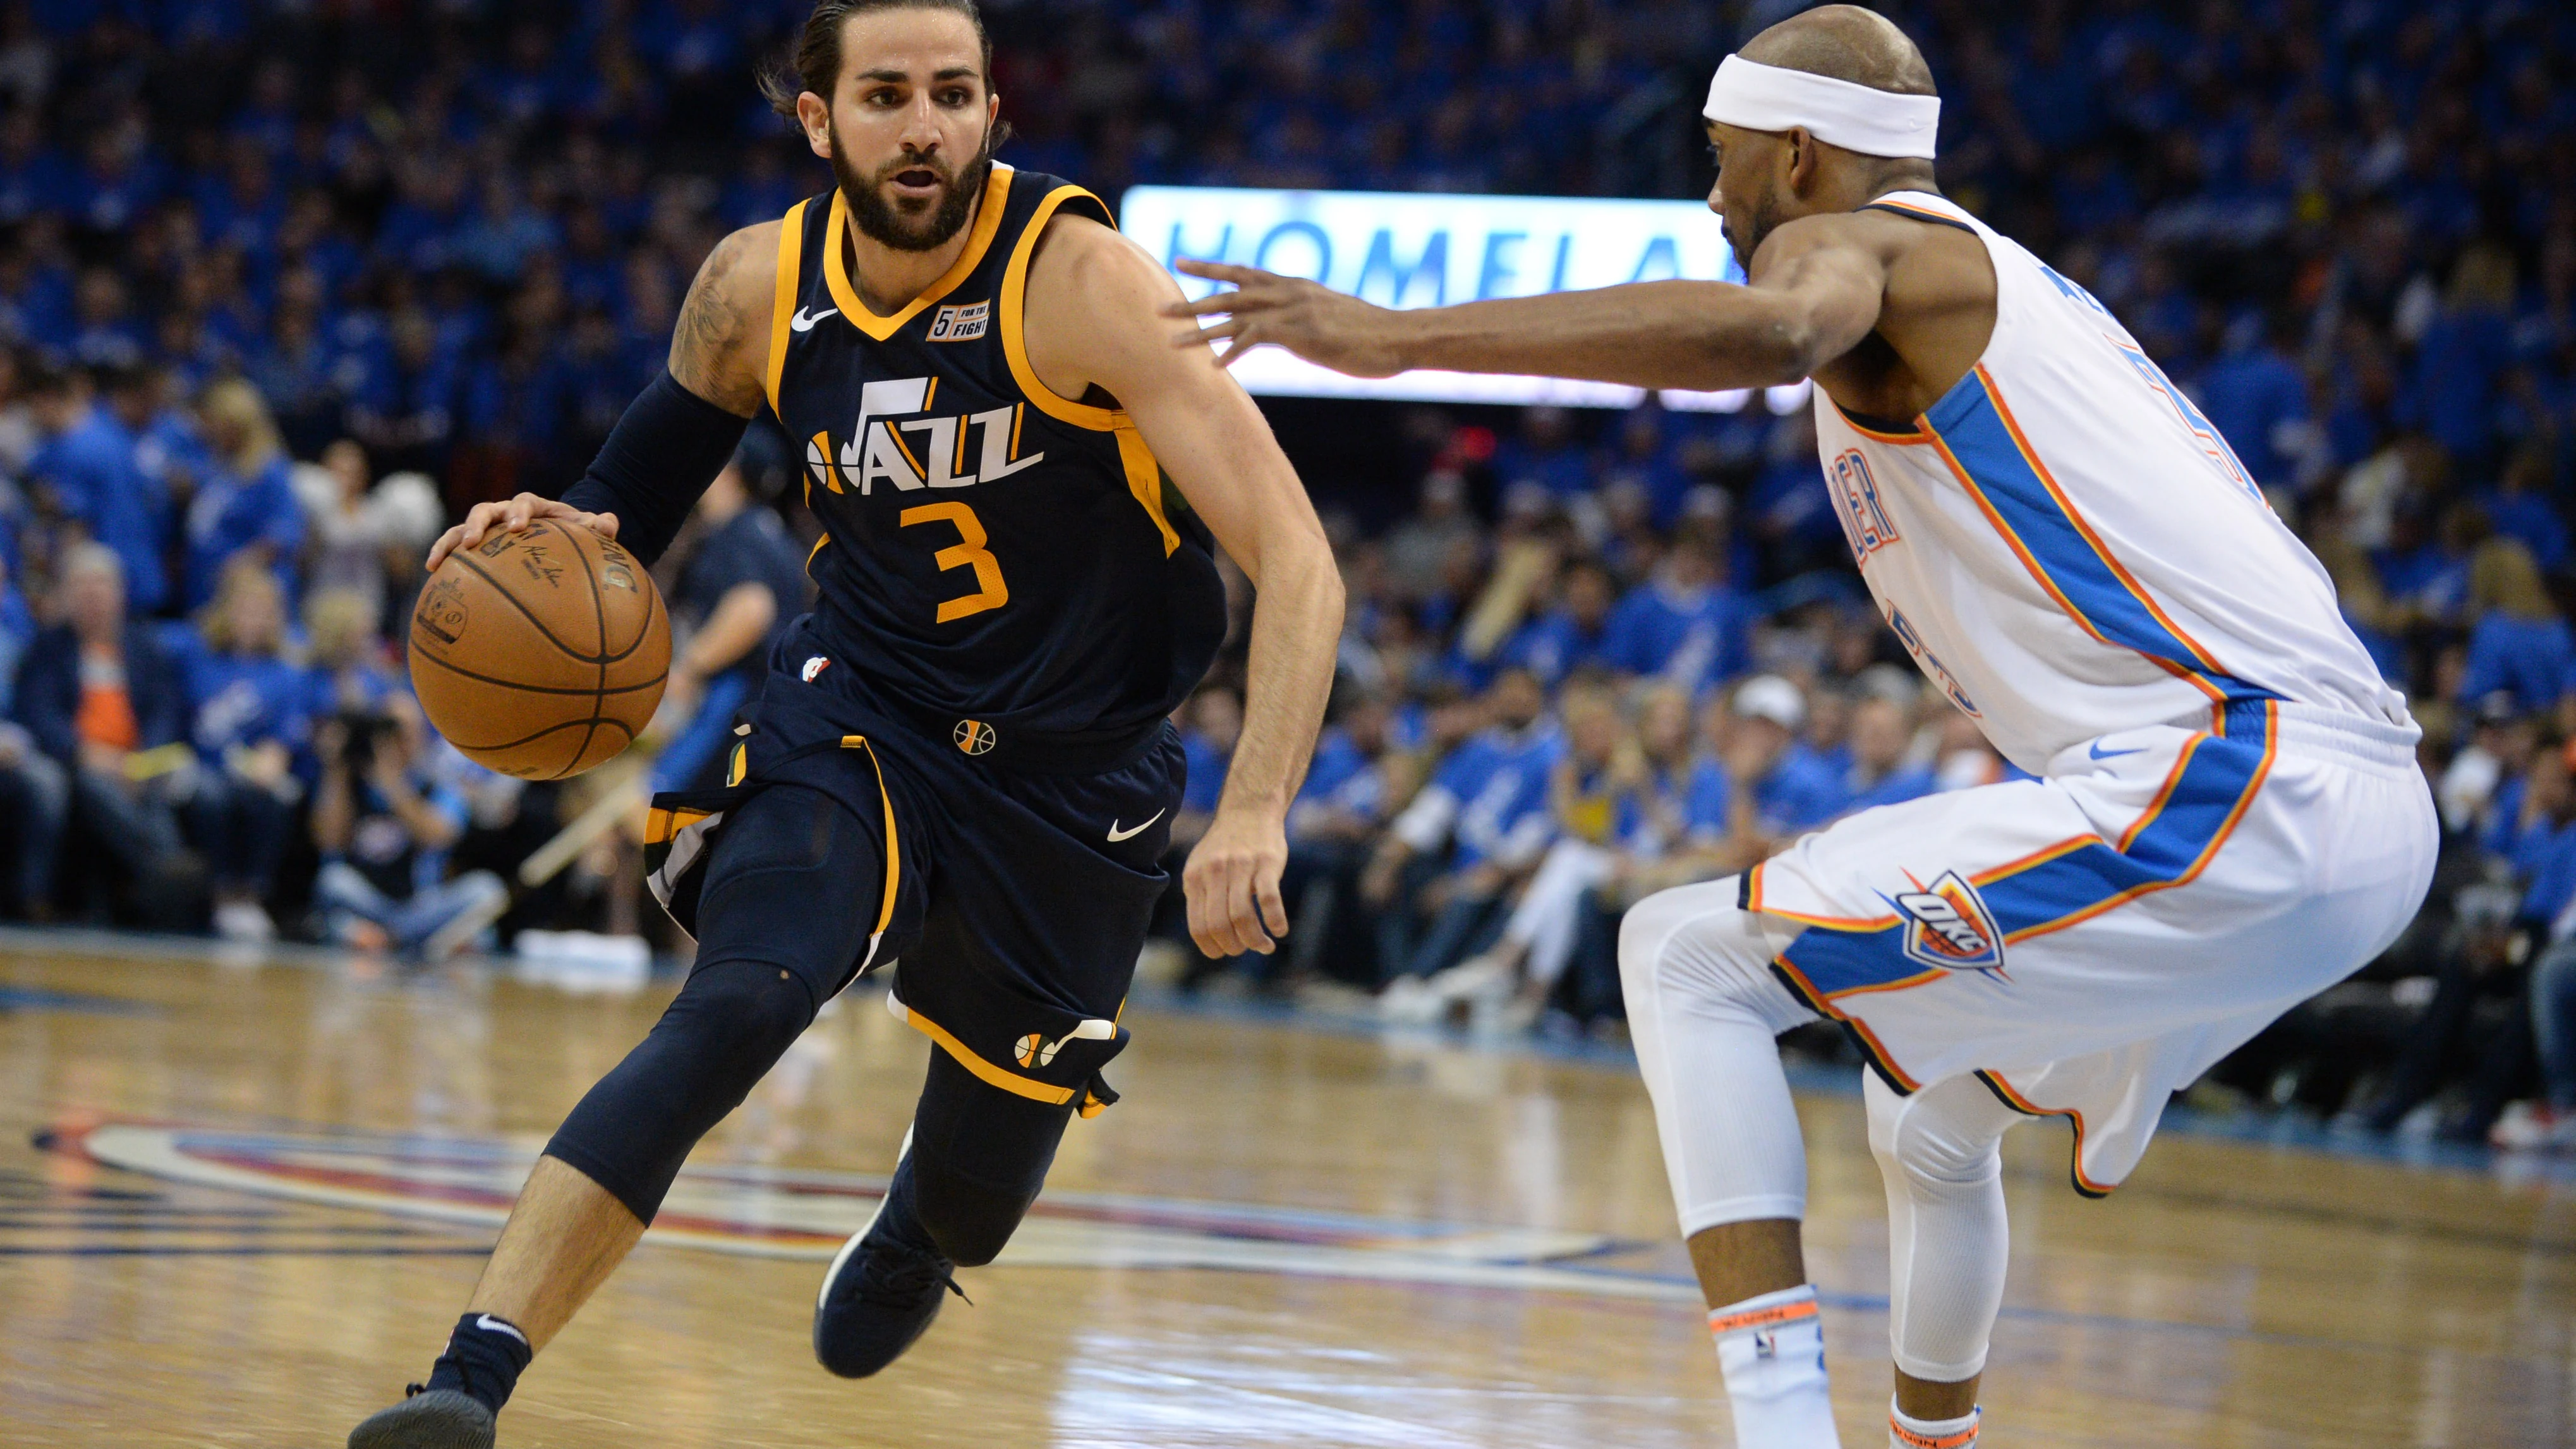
<point>1855,117</point>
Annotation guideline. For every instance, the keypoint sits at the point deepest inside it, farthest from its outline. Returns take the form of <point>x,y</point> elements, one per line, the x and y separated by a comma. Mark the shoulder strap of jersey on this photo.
<point>1924,206</point>
<point>1015,290</point>
<point>782,305</point>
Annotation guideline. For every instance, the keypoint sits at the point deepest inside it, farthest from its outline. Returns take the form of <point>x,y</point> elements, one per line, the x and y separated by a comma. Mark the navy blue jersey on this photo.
<point>992,550</point>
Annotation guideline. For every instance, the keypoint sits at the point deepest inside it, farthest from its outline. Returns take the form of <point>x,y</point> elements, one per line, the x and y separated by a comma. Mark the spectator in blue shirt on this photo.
<point>1476,829</point>
<point>1773,789</point>
<point>92,464</point>
<point>1881,736</point>
<point>1570,636</point>
<point>2257,398</point>
<point>2519,644</point>
<point>245,501</point>
<point>1684,625</point>
<point>247,704</point>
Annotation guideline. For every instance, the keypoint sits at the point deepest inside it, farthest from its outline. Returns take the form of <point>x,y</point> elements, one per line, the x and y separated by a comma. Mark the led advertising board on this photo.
<point>1415,249</point>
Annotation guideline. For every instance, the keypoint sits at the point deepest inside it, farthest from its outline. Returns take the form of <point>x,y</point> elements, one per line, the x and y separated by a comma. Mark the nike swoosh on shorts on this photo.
<point>1116,835</point>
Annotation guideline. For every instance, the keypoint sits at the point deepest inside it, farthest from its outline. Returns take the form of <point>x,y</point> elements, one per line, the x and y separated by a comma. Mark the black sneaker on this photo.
<point>431,1419</point>
<point>883,1288</point>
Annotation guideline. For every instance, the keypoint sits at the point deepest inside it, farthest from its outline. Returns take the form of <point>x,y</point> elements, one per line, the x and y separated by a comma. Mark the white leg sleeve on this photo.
<point>1940,1152</point>
<point>1703,1008</point>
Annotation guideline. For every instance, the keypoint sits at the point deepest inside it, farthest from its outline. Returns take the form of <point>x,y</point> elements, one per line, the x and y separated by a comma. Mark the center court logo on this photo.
<point>775,1212</point>
<point>1947,925</point>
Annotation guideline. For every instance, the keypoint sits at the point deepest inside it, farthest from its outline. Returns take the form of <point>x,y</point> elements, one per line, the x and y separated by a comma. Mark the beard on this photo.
<point>1764,219</point>
<point>912,226</point>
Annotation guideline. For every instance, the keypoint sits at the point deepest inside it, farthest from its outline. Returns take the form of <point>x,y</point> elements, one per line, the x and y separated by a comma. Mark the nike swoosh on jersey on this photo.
<point>2100,753</point>
<point>803,323</point>
<point>1116,835</point>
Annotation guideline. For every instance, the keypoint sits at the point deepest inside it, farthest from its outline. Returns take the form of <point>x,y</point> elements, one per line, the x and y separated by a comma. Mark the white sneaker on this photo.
<point>244,921</point>
<point>1410,1001</point>
<point>1478,980</point>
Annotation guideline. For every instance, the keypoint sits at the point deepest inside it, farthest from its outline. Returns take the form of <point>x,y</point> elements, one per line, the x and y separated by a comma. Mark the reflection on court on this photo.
<point>240,1203</point>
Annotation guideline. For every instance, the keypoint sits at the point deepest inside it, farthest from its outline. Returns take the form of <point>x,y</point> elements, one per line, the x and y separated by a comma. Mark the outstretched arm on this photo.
<point>1093,318</point>
<point>1815,293</point>
<point>679,432</point>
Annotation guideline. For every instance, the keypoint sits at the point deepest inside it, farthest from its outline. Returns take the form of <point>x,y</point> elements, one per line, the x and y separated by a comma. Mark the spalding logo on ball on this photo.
<point>540,654</point>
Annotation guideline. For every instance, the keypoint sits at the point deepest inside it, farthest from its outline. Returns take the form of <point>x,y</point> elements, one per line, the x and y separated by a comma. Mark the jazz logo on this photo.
<point>1948,926</point>
<point>1034,1050</point>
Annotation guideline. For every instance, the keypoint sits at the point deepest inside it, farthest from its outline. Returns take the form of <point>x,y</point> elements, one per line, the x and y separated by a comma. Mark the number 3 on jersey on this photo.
<point>967,552</point>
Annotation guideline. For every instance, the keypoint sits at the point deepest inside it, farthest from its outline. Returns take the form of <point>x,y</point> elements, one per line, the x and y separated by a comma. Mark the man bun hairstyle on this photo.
<point>815,63</point>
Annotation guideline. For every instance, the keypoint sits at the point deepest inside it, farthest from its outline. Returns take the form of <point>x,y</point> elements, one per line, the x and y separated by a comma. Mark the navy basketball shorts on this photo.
<point>1011,903</point>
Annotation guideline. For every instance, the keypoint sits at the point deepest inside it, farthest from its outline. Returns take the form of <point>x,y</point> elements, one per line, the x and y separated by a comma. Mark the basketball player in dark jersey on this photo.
<point>961,757</point>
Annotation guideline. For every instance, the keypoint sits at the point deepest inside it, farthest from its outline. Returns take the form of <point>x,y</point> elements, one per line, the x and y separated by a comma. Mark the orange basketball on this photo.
<point>540,654</point>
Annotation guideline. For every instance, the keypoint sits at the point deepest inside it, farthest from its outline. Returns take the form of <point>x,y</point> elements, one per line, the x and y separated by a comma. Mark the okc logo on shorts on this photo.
<point>1947,925</point>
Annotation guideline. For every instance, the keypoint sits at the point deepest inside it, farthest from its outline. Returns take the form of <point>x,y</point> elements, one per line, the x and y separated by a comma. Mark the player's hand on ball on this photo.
<point>1321,325</point>
<point>513,516</point>
<point>1232,882</point>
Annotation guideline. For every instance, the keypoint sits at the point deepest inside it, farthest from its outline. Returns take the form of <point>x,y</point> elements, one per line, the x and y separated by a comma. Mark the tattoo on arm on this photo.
<point>711,343</point>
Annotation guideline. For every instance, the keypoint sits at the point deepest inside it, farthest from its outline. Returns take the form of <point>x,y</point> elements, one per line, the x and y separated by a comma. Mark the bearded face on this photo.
<point>912,202</point>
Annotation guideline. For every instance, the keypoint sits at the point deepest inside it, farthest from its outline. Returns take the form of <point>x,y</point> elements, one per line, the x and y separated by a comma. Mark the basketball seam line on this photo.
<point>538,688</point>
<point>570,724</point>
<point>599,612</point>
<point>526,612</point>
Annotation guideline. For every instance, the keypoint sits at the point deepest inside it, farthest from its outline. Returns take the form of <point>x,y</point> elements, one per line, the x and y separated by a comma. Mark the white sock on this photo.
<point>1907,1432</point>
<point>1772,1350</point>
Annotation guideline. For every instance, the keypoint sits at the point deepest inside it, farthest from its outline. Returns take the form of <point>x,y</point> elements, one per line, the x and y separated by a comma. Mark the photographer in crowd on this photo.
<point>384,822</point>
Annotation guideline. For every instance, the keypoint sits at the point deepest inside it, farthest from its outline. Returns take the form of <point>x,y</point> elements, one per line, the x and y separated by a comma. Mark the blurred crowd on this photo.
<point>283,288</point>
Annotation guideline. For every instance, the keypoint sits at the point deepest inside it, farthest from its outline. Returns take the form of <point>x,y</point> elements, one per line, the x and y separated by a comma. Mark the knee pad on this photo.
<point>979,1157</point>
<point>1950,1132</point>
<point>1696,944</point>
<point>728,1026</point>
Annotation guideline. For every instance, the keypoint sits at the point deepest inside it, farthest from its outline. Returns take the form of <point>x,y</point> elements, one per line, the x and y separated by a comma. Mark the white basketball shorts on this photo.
<point>2091,941</point>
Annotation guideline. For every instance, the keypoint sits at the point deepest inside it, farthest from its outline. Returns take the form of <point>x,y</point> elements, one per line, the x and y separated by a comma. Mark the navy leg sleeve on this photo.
<point>790,895</point>
<point>979,1156</point>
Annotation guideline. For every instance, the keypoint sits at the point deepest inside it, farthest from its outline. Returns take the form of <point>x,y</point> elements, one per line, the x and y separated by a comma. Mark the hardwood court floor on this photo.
<point>239,1205</point>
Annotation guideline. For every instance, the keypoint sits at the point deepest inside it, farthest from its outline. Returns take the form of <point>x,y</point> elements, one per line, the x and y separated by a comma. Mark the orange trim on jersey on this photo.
<point>2013,1098</point>
<point>2119,570</point>
<point>1907,206</point>
<point>1015,342</point>
<point>2164,793</point>
<point>893,847</point>
<point>1862,1036</point>
<point>1753,903</point>
<point>836,265</point>
<point>782,302</point>
<point>1008,1081</point>
<point>814,553</point>
<point>1145,480</point>
<point>2227,828</point>
<point>2030,562</point>
<point>1915,439</point>
<point>2039,857</point>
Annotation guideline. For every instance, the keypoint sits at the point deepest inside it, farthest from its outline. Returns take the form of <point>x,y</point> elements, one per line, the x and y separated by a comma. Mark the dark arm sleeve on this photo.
<point>662,454</point>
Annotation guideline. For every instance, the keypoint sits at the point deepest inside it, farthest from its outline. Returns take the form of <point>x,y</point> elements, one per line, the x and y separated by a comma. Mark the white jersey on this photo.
<point>2066,545</point>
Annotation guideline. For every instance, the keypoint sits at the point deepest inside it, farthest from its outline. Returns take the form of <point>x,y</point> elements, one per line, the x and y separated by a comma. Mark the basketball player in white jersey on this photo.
<point>2228,816</point>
